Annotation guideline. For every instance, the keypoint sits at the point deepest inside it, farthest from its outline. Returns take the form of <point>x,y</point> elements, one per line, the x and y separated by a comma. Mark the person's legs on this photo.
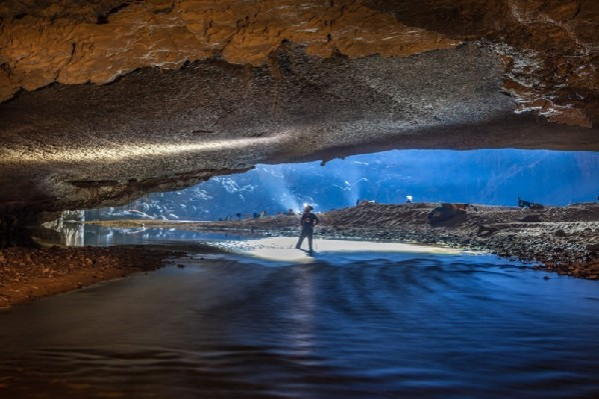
<point>309,234</point>
<point>301,240</point>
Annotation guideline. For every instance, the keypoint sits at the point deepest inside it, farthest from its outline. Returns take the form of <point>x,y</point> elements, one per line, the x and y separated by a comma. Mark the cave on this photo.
<point>104,102</point>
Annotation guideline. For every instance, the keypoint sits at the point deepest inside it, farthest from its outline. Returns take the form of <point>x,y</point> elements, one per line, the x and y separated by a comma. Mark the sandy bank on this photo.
<point>564,239</point>
<point>283,248</point>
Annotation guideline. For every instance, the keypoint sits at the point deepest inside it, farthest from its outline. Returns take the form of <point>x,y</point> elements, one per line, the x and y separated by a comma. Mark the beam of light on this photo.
<point>352,174</point>
<point>273,181</point>
<point>130,151</point>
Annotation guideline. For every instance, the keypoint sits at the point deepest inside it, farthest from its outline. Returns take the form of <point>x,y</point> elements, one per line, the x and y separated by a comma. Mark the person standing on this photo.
<point>307,222</point>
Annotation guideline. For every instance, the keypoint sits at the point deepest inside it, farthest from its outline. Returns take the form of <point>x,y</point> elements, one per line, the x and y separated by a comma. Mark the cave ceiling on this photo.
<point>103,101</point>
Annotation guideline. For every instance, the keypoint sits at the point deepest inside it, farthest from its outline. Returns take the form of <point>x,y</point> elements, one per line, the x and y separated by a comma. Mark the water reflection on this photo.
<point>70,227</point>
<point>75,234</point>
<point>302,312</point>
<point>366,325</point>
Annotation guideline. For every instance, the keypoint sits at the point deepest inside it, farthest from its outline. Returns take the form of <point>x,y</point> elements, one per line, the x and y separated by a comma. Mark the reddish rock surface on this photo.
<point>28,274</point>
<point>52,46</point>
<point>550,48</point>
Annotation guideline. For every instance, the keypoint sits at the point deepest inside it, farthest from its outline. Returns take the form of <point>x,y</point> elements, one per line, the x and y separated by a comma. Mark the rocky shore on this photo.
<point>564,240</point>
<point>27,274</point>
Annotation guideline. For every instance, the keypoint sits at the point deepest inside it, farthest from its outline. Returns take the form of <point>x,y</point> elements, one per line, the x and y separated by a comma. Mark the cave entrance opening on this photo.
<point>487,177</point>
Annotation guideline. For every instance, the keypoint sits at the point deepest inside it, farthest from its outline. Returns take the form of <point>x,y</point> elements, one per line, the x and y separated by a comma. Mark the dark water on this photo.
<point>352,325</point>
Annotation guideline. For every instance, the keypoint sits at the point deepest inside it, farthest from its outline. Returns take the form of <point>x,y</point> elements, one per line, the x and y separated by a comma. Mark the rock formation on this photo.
<point>104,101</point>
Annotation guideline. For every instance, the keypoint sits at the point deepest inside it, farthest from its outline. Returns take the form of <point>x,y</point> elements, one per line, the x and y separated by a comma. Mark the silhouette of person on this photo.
<point>307,222</point>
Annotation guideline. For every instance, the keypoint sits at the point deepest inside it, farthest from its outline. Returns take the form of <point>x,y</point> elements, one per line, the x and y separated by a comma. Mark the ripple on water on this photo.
<point>363,325</point>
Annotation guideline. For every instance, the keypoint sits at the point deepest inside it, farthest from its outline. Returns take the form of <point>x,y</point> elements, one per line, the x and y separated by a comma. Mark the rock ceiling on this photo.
<point>103,101</point>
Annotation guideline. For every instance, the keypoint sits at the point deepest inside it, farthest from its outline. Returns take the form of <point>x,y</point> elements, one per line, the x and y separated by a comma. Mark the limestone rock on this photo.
<point>43,49</point>
<point>104,101</point>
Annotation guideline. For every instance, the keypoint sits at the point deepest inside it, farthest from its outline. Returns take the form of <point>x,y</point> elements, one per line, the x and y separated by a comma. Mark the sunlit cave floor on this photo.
<point>562,240</point>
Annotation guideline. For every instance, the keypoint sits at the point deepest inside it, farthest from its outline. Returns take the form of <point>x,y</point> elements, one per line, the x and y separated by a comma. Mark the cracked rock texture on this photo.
<point>52,47</point>
<point>104,101</point>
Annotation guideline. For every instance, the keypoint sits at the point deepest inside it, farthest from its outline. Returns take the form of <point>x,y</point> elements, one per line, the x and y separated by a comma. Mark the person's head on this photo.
<point>307,208</point>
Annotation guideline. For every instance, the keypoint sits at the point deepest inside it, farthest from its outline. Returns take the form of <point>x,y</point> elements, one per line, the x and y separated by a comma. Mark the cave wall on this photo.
<point>550,48</point>
<point>104,101</point>
<point>49,45</point>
